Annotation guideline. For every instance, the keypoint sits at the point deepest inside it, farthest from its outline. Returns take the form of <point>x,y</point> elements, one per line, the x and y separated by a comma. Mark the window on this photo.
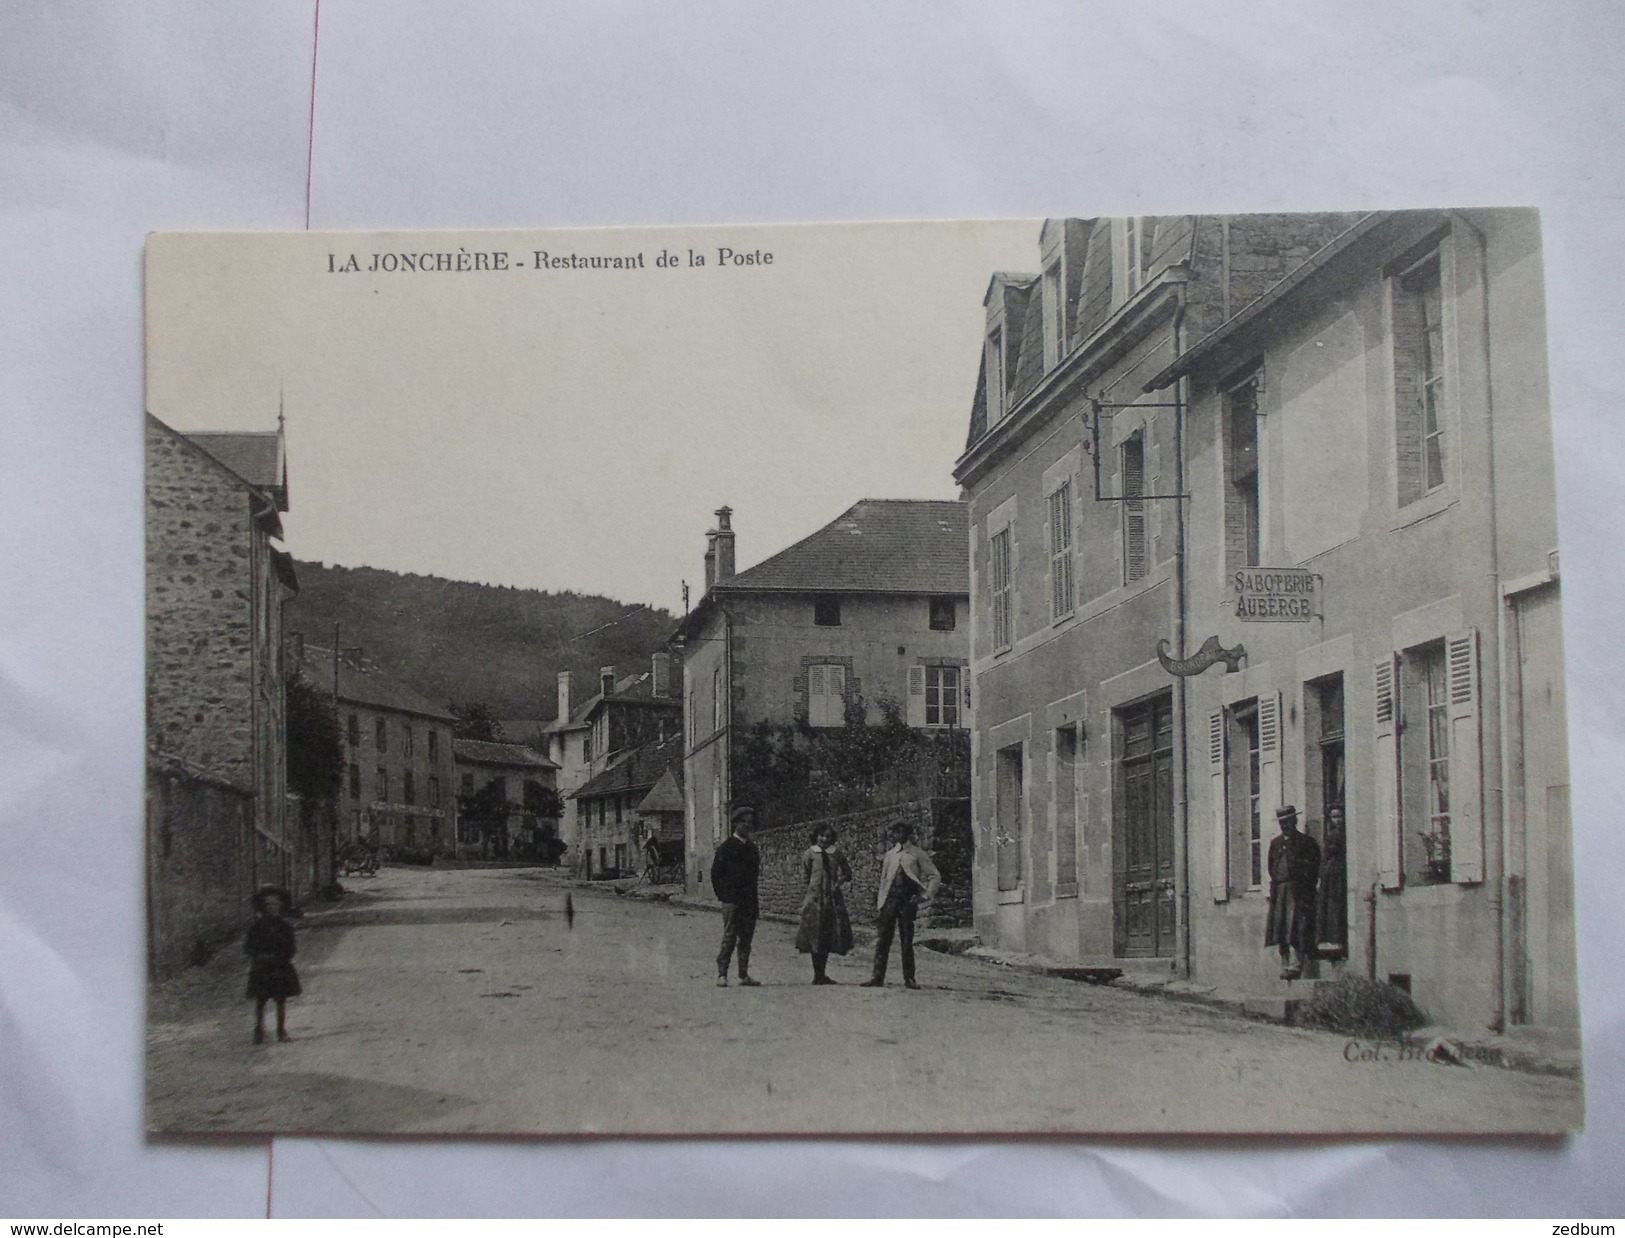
<point>1054,322</point>
<point>1000,583</point>
<point>406,740</point>
<point>381,735</point>
<point>354,729</point>
<point>716,700</point>
<point>408,790</point>
<point>827,612</point>
<point>1066,809</point>
<point>434,746</point>
<point>693,717</point>
<point>1133,254</point>
<point>468,784</point>
<point>355,781</point>
<point>996,403</point>
<point>501,786</point>
<point>1244,762</point>
<point>1135,557</point>
<point>586,746</point>
<point>1242,522</point>
<point>826,694</point>
<point>942,696</point>
<point>618,809</point>
<point>942,614</point>
<point>382,785</point>
<point>1060,551</point>
<point>434,789</point>
<point>1418,325</point>
<point>1425,806</point>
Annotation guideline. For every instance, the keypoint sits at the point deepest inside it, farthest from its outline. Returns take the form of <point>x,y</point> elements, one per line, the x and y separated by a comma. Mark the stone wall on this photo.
<point>942,828</point>
<point>200,631</point>
<point>199,861</point>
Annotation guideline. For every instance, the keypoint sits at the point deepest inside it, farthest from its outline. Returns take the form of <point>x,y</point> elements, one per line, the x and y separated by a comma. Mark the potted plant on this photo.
<point>1437,845</point>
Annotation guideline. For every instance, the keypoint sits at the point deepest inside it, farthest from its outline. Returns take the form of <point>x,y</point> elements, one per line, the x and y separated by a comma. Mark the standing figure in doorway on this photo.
<point>825,927</point>
<point>1294,869</point>
<point>270,946</point>
<point>908,883</point>
<point>1331,898</point>
<point>735,871</point>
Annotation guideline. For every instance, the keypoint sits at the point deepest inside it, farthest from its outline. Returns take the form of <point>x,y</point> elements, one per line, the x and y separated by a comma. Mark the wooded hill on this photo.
<point>456,641</point>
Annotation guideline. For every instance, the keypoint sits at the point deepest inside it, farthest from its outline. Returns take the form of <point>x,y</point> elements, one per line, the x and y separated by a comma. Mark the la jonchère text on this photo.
<point>469,260</point>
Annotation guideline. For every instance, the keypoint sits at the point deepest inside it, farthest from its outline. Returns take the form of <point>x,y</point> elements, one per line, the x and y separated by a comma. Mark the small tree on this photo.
<point>315,748</point>
<point>486,812</point>
<point>476,720</point>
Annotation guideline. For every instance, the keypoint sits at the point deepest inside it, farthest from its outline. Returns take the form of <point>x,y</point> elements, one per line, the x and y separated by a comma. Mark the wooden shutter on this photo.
<point>1134,556</point>
<point>1269,760</point>
<point>1221,826</point>
<point>1385,773</point>
<point>916,696</point>
<point>1466,759</point>
<point>817,694</point>
<point>837,695</point>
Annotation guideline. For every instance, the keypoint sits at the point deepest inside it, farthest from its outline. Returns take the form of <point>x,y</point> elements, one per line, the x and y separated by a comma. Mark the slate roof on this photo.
<point>484,752</point>
<point>367,685</point>
<point>916,546</point>
<point>667,795</point>
<point>638,770</point>
<point>634,687</point>
<point>254,455</point>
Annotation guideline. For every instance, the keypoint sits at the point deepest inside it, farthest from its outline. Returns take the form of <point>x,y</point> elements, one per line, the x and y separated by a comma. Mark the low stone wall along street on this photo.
<point>942,828</point>
<point>199,864</point>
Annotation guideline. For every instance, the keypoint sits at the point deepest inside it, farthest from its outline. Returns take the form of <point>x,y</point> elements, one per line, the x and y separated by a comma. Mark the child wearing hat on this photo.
<point>270,946</point>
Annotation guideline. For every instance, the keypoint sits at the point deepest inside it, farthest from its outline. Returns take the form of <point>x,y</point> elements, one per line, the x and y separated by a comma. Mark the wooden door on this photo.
<point>1145,917</point>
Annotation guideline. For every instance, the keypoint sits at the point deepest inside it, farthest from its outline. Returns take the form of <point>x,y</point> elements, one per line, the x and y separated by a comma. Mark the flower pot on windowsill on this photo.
<point>1438,853</point>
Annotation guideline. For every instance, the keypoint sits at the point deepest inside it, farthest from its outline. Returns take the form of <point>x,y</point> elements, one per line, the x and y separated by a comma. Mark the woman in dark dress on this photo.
<point>825,927</point>
<point>270,946</point>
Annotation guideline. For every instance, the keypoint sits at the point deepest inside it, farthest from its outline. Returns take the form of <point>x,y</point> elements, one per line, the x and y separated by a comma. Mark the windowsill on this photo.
<point>1066,889</point>
<point>1424,508</point>
<point>1063,620</point>
<point>1009,898</point>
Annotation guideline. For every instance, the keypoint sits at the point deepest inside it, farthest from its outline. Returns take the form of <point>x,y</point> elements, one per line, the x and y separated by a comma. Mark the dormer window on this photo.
<point>1054,318</point>
<point>1133,257</point>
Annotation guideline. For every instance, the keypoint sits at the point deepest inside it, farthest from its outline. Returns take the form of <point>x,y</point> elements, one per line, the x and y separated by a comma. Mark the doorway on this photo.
<point>1143,896</point>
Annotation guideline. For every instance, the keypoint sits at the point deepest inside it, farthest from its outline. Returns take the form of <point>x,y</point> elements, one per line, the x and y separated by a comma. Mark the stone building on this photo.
<point>583,740</point>
<point>398,790</point>
<point>519,776</point>
<point>868,611</point>
<point>619,807</point>
<point>216,741</point>
<point>1319,388</point>
<point>1370,443</point>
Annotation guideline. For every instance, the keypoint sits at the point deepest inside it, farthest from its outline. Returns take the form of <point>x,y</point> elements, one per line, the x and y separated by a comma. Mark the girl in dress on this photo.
<point>270,946</point>
<point>825,927</point>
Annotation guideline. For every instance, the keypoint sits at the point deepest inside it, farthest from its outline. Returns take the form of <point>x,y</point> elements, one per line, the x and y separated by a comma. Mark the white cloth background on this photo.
<point>116,119</point>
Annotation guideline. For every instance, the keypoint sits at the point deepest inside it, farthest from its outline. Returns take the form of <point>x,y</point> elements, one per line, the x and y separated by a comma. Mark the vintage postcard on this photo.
<point>1092,675</point>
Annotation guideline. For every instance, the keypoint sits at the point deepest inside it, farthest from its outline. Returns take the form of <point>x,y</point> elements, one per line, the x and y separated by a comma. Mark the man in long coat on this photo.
<point>1294,869</point>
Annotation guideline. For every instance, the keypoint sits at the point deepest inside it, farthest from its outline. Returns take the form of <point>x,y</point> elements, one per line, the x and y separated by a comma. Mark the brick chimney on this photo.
<point>710,559</point>
<point>660,684</point>
<point>725,543</point>
<point>606,680</point>
<point>564,696</point>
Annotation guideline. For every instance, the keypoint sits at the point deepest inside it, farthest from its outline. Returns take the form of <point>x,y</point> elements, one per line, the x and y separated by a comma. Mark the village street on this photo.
<point>464,1001</point>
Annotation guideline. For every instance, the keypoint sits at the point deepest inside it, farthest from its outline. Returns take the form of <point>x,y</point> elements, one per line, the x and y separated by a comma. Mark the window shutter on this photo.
<point>1269,759</point>
<point>1385,774</point>
<point>837,695</point>
<point>1221,830</point>
<point>817,693</point>
<point>916,696</point>
<point>1466,757</point>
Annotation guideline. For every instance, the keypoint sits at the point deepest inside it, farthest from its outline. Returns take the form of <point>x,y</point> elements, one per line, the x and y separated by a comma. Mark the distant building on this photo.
<point>398,789</point>
<point>216,741</point>
<point>583,740</point>
<point>524,779</point>
<point>637,795</point>
<point>873,607</point>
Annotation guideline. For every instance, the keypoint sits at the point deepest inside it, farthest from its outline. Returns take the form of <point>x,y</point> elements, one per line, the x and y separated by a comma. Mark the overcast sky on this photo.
<point>575,429</point>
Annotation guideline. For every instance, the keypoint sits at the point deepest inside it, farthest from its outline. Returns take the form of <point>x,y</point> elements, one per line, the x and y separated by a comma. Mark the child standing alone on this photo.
<point>270,946</point>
